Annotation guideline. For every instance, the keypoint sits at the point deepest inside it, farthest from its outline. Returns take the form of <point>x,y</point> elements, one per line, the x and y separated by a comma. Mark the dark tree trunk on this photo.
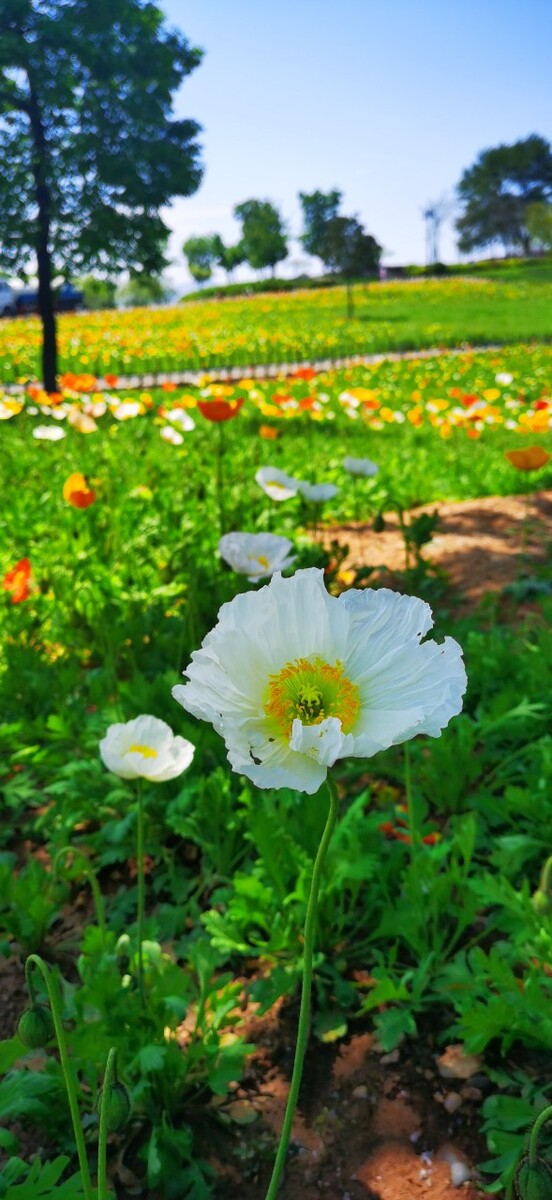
<point>44,260</point>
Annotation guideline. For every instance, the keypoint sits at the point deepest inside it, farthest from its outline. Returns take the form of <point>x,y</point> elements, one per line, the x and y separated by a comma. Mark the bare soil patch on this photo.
<point>480,545</point>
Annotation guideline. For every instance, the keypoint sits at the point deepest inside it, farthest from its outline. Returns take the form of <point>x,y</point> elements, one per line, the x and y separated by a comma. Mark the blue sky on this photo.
<point>387,100</point>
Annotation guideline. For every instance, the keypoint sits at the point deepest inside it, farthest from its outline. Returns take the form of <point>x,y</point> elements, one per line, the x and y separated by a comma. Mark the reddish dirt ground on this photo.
<point>480,545</point>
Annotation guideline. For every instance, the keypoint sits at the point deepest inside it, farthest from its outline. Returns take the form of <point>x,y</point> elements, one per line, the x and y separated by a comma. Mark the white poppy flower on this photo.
<point>360,466</point>
<point>171,435</point>
<point>125,410</point>
<point>277,484</point>
<point>318,492</point>
<point>256,554</point>
<point>48,433</point>
<point>179,416</point>
<point>145,748</point>
<point>504,377</point>
<point>293,678</point>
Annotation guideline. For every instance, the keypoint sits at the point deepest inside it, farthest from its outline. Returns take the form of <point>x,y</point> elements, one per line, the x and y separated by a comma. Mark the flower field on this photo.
<point>283,328</point>
<point>180,832</point>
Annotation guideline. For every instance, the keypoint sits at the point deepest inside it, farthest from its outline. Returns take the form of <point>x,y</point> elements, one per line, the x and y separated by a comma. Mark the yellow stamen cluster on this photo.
<point>145,751</point>
<point>310,691</point>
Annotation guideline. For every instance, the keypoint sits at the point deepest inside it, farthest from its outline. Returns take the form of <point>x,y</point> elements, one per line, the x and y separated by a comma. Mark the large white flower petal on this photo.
<point>271,763</point>
<point>324,742</point>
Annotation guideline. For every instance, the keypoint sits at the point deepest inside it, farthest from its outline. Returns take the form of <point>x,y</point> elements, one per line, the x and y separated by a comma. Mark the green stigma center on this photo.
<point>311,690</point>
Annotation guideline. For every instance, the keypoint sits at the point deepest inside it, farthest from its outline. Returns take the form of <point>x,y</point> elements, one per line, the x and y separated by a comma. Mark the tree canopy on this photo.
<point>263,241</point>
<point>201,255</point>
<point>319,208</point>
<point>497,191</point>
<point>90,148</point>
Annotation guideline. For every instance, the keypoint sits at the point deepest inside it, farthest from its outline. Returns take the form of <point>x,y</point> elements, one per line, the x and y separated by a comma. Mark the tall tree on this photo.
<point>90,148</point>
<point>263,239</point>
<point>350,251</point>
<point>539,224</point>
<point>201,255</point>
<point>319,208</point>
<point>498,190</point>
<point>228,257</point>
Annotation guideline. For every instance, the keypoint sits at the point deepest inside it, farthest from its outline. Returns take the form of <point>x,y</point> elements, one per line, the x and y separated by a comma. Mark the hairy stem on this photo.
<point>304,1011</point>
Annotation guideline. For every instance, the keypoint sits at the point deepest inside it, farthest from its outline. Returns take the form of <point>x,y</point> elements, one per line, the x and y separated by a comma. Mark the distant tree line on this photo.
<point>340,242</point>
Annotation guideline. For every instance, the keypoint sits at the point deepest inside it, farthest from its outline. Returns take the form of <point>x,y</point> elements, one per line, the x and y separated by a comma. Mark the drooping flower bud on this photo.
<point>533,1181</point>
<point>35,1027</point>
<point>378,524</point>
<point>542,903</point>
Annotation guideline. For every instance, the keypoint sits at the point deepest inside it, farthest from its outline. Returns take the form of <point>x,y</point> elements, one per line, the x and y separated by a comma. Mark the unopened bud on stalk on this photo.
<point>118,1106</point>
<point>533,1180</point>
<point>542,903</point>
<point>378,524</point>
<point>35,1026</point>
<point>122,952</point>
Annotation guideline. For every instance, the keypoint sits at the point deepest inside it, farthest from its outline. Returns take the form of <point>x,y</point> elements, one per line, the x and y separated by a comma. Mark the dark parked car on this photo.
<point>66,299</point>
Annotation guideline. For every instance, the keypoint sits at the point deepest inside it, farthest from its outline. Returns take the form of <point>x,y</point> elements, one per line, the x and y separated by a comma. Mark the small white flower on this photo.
<point>48,433</point>
<point>277,484</point>
<point>293,678</point>
<point>171,435</point>
<point>81,421</point>
<point>256,554</point>
<point>179,416</point>
<point>95,408</point>
<point>504,377</point>
<point>145,748</point>
<point>127,409</point>
<point>318,492</point>
<point>360,466</point>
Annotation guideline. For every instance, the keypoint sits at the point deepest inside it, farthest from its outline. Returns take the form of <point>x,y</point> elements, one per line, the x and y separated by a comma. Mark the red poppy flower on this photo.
<point>111,380</point>
<point>16,581</point>
<point>77,492</point>
<point>220,410</point>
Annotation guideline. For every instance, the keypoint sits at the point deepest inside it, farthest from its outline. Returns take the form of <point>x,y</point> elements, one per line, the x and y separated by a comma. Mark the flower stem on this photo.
<point>109,1075</point>
<point>220,479</point>
<point>304,1011</point>
<point>541,1120</point>
<point>141,887</point>
<point>54,997</point>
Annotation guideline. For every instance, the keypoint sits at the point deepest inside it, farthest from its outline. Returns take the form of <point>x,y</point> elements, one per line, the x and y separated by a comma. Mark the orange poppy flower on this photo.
<point>268,432</point>
<point>220,410</point>
<point>529,459</point>
<point>16,581</point>
<point>168,386</point>
<point>303,373</point>
<point>77,492</point>
<point>111,380</point>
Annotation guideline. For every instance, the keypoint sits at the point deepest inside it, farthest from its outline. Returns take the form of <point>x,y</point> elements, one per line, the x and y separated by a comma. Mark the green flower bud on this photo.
<point>118,1106</point>
<point>4,1185</point>
<point>35,1026</point>
<point>378,524</point>
<point>122,952</point>
<point>542,903</point>
<point>533,1182</point>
